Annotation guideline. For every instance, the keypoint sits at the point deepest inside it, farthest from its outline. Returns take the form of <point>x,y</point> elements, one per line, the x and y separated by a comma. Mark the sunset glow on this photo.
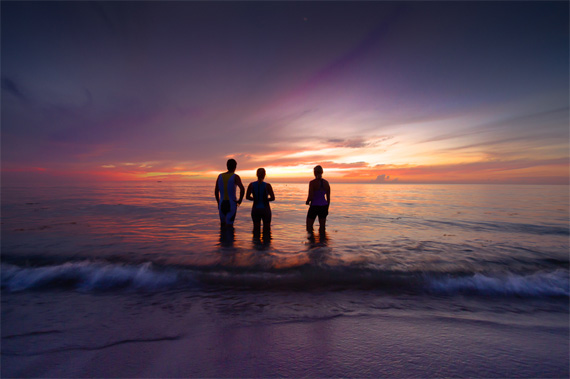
<point>374,92</point>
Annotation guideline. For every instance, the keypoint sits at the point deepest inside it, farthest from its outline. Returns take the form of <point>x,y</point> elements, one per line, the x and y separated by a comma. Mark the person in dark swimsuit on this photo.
<point>319,200</point>
<point>261,194</point>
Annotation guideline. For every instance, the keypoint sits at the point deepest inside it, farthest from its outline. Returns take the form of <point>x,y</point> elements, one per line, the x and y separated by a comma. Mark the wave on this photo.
<point>86,276</point>
<point>538,284</point>
<point>103,276</point>
<point>509,227</point>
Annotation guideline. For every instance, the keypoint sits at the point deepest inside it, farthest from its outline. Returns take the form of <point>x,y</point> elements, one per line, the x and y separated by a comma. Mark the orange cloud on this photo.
<point>282,167</point>
<point>550,171</point>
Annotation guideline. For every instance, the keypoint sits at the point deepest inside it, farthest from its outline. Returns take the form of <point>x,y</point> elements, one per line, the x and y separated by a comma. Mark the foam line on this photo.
<point>554,283</point>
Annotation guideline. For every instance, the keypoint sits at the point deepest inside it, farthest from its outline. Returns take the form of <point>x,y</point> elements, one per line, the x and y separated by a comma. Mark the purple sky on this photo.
<point>421,91</point>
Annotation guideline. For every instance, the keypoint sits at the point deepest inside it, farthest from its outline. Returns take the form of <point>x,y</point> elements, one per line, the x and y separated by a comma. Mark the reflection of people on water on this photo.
<point>319,200</point>
<point>319,239</point>
<point>225,193</point>
<point>262,241</point>
<point>227,250</point>
<point>227,237</point>
<point>318,247</point>
<point>261,194</point>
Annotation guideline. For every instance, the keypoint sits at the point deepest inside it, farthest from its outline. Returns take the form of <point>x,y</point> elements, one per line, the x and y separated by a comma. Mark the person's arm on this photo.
<point>249,194</point>
<point>241,189</point>
<point>270,192</point>
<point>328,192</point>
<point>310,197</point>
<point>217,192</point>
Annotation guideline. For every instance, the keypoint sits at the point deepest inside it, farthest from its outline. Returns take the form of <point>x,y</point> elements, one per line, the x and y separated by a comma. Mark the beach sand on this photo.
<point>69,334</point>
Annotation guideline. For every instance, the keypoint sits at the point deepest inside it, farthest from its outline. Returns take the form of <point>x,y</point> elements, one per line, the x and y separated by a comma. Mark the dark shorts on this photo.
<point>258,214</point>
<point>227,212</point>
<point>320,211</point>
<point>225,207</point>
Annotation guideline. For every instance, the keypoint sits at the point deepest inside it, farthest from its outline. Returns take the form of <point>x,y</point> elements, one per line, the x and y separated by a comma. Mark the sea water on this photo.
<point>487,253</point>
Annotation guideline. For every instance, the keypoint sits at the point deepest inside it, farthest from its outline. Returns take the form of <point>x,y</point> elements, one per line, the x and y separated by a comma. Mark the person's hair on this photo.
<point>261,173</point>
<point>318,169</point>
<point>231,164</point>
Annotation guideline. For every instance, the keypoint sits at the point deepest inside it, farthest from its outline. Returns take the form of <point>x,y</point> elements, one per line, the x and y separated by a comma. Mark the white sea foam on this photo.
<point>94,276</point>
<point>555,283</point>
<point>86,276</point>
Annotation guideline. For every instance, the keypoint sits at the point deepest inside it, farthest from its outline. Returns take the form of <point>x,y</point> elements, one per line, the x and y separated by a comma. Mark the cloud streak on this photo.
<point>178,87</point>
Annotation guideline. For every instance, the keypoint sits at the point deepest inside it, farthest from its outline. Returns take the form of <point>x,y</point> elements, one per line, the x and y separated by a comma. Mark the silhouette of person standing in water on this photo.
<point>319,200</point>
<point>225,193</point>
<point>261,194</point>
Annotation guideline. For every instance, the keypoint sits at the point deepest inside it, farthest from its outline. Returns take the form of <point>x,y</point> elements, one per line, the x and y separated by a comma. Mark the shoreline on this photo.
<point>65,334</point>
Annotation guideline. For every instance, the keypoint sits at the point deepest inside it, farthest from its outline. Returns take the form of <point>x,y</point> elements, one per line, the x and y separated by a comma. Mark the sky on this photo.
<point>376,92</point>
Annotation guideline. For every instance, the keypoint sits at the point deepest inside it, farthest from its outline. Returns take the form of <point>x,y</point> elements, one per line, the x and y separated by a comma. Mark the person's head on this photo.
<point>260,173</point>
<point>318,170</point>
<point>231,165</point>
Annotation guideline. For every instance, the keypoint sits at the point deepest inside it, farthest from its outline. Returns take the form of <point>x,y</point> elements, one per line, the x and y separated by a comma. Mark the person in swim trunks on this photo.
<point>261,194</point>
<point>319,200</point>
<point>225,193</point>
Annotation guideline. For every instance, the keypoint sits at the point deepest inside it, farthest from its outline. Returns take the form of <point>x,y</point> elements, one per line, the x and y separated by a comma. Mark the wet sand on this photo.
<point>78,335</point>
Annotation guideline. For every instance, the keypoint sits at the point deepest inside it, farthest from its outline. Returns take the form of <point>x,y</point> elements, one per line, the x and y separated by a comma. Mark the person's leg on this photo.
<point>266,220</point>
<point>231,215</point>
<point>256,222</point>
<point>257,227</point>
<point>266,237</point>
<point>223,209</point>
<point>310,222</point>
<point>322,222</point>
<point>323,213</point>
<point>311,217</point>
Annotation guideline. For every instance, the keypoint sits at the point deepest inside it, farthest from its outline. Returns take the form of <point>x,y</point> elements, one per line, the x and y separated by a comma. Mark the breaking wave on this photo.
<point>86,276</point>
<point>103,276</point>
<point>538,284</point>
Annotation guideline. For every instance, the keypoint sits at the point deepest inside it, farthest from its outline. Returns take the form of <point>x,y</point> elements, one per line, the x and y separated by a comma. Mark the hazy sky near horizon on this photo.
<point>373,91</point>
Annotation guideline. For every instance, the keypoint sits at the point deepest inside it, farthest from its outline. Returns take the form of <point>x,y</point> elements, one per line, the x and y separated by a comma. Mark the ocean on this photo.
<point>138,280</point>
